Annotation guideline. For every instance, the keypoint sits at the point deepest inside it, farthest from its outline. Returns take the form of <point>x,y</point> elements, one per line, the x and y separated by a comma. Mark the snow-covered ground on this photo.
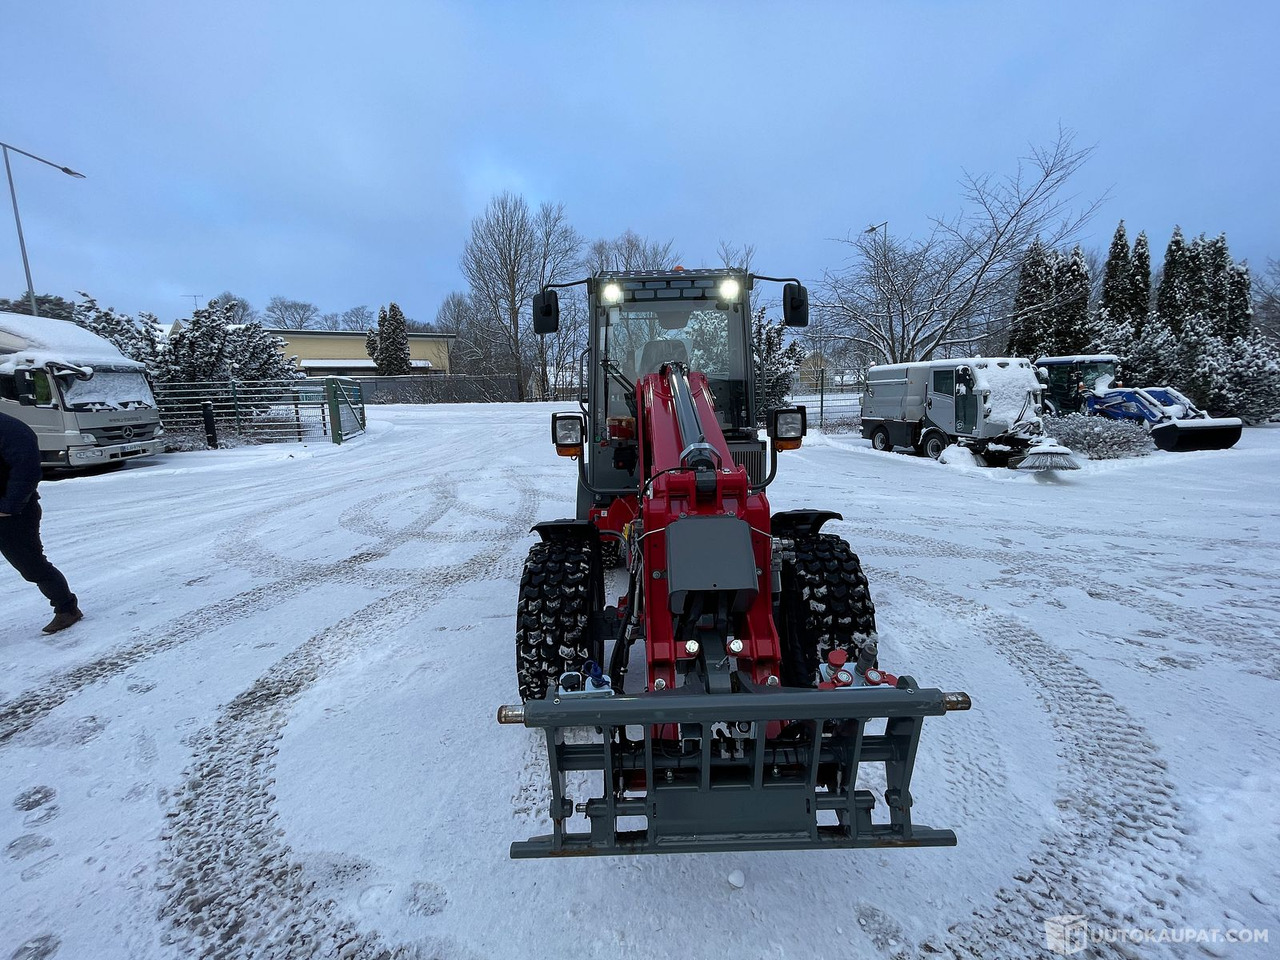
<point>273,735</point>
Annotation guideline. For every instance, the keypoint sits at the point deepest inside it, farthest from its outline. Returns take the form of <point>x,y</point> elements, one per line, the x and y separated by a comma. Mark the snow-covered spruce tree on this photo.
<point>371,345</point>
<point>211,347</point>
<point>1139,305</point>
<point>393,343</point>
<point>1069,331</point>
<point>1031,301</point>
<point>776,361</point>
<point>138,340</point>
<point>1173,296</point>
<point>1117,278</point>
<point>1238,321</point>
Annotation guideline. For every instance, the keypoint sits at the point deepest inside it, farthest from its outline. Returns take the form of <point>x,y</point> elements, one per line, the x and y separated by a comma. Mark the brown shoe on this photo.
<point>61,621</point>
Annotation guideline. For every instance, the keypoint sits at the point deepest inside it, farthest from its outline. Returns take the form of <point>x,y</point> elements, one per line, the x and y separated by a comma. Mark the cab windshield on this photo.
<point>108,390</point>
<point>638,338</point>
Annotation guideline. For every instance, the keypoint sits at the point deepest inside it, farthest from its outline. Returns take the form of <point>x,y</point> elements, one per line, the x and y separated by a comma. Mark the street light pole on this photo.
<point>888,301</point>
<point>13,195</point>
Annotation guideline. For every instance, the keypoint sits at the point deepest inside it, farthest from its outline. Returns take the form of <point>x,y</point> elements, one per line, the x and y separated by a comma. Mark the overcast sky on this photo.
<point>336,152</point>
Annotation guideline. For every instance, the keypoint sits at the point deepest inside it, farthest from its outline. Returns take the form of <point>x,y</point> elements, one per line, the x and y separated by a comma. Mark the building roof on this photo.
<point>354,363</point>
<point>357,335</point>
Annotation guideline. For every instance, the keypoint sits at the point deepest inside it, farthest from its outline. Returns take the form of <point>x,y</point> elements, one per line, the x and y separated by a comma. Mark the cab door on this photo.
<point>941,404</point>
<point>45,417</point>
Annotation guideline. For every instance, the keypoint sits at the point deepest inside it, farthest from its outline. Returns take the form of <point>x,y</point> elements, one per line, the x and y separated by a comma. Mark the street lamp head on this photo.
<point>71,173</point>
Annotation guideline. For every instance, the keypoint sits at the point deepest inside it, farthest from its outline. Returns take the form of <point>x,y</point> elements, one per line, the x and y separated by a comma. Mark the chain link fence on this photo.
<point>834,407</point>
<point>232,412</point>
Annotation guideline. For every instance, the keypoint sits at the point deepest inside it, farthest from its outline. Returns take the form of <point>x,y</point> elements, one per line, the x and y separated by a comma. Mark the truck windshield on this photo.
<point>639,338</point>
<point>108,390</point>
<point>1098,375</point>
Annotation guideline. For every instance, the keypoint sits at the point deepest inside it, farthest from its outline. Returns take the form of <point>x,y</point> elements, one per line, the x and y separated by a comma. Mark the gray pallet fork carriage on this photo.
<point>797,789</point>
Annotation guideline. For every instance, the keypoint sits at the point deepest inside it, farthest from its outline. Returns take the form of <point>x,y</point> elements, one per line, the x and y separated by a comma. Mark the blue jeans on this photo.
<point>20,545</point>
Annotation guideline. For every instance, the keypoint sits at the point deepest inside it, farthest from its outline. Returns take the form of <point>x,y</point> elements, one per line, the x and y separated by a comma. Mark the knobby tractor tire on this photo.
<point>553,617</point>
<point>826,605</point>
<point>611,552</point>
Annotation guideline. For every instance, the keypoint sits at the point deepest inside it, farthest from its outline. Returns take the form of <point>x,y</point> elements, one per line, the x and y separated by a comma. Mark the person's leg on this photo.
<point>20,545</point>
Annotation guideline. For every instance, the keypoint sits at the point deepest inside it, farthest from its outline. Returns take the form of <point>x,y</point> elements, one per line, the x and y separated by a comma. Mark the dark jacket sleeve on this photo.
<point>20,451</point>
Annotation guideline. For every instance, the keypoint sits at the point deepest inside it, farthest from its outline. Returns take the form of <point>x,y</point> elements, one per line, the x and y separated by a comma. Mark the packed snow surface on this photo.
<point>273,735</point>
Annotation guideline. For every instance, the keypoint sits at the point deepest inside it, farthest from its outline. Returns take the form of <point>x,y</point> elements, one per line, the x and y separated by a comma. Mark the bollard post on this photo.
<point>210,427</point>
<point>335,414</point>
<point>822,397</point>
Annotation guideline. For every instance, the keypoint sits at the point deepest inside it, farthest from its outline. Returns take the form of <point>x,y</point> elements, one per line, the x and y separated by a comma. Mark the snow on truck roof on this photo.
<point>1081,358</point>
<point>885,371</point>
<point>35,341</point>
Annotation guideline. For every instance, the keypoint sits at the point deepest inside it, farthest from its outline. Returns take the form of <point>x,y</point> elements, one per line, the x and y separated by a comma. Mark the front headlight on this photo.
<point>790,425</point>
<point>88,438</point>
<point>729,289</point>
<point>612,293</point>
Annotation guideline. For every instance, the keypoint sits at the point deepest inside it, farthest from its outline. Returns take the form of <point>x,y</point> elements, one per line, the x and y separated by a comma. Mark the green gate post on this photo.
<point>335,415</point>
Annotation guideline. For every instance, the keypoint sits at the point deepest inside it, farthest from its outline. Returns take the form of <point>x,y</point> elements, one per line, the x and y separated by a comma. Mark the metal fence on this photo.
<point>260,411</point>
<point>439,388</point>
<point>835,408</point>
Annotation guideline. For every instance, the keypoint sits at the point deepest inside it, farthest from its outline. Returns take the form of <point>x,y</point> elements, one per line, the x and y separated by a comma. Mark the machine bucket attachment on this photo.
<point>772,769</point>
<point>1179,436</point>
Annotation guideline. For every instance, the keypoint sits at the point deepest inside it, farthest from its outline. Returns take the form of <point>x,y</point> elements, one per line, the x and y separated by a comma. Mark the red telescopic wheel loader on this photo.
<point>762,694</point>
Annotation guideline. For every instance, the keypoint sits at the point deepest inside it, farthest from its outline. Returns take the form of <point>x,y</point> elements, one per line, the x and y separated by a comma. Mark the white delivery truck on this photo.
<point>991,405</point>
<point>86,401</point>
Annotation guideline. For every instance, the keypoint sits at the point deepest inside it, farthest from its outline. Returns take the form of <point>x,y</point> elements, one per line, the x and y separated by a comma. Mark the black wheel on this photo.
<point>932,444</point>
<point>880,439</point>
<point>558,593</point>
<point>825,605</point>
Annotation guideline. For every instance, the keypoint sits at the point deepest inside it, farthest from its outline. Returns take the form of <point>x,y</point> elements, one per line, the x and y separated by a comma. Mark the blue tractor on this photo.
<point>1089,385</point>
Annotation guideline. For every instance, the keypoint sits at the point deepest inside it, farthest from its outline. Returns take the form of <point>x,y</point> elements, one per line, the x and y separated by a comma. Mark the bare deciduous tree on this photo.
<point>509,256</point>
<point>357,318</point>
<point>736,257</point>
<point>1266,294</point>
<point>630,251</point>
<point>285,314</point>
<point>241,308</point>
<point>906,300</point>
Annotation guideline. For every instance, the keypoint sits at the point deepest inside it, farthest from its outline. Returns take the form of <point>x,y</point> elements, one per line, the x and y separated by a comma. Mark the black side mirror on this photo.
<point>795,305</point>
<point>26,385</point>
<point>546,312</point>
<point>964,376</point>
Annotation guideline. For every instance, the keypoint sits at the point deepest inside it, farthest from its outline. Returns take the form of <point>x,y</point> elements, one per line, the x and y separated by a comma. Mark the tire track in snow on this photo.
<point>1234,637</point>
<point>1121,825</point>
<point>28,708</point>
<point>236,890</point>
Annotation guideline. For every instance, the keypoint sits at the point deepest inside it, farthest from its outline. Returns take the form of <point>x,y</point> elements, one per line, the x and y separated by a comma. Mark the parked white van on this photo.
<point>86,401</point>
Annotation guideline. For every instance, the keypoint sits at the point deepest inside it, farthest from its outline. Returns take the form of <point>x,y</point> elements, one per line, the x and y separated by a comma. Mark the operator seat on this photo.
<point>658,352</point>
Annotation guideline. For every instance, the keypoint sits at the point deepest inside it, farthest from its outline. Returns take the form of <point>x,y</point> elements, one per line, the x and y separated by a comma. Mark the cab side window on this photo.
<point>8,387</point>
<point>44,389</point>
<point>944,382</point>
